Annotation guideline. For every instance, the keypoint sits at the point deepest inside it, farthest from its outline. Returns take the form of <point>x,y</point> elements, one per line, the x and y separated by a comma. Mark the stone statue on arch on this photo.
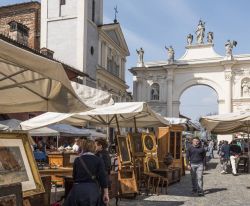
<point>190,38</point>
<point>200,32</point>
<point>140,53</point>
<point>170,54</point>
<point>229,48</point>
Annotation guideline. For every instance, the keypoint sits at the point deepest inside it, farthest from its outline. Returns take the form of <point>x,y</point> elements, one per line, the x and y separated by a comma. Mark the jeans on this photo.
<point>197,176</point>
<point>234,162</point>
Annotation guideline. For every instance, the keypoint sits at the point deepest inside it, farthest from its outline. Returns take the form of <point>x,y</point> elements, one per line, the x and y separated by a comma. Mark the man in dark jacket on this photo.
<point>101,151</point>
<point>195,163</point>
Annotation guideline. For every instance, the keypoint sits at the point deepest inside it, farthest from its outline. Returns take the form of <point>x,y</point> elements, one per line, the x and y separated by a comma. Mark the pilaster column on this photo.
<point>170,78</point>
<point>228,85</point>
<point>228,91</point>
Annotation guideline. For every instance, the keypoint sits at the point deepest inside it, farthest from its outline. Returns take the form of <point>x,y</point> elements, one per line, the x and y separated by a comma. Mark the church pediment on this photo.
<point>114,32</point>
<point>113,35</point>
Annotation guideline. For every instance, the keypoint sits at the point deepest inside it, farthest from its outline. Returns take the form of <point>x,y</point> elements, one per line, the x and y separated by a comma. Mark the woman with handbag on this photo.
<point>88,175</point>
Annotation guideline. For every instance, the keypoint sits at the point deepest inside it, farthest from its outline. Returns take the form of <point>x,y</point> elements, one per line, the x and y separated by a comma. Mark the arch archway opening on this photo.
<point>197,101</point>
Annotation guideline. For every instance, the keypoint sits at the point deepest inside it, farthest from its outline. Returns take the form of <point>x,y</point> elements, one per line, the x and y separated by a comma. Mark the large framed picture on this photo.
<point>17,163</point>
<point>124,151</point>
<point>136,144</point>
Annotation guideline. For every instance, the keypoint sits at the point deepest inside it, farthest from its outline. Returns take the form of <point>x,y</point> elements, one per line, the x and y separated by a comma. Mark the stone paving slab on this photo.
<point>220,190</point>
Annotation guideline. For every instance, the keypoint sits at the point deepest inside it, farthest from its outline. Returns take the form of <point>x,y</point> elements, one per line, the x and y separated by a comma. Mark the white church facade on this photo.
<point>161,83</point>
<point>74,30</point>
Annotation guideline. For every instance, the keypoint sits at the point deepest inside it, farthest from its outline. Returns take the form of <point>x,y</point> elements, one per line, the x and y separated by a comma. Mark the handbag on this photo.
<point>93,177</point>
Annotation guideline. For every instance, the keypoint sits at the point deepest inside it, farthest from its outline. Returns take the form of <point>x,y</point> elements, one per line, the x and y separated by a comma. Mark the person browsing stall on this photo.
<point>101,151</point>
<point>88,175</point>
<point>195,157</point>
<point>235,152</point>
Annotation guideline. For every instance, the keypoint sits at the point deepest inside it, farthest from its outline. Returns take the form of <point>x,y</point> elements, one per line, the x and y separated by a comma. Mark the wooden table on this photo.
<point>173,173</point>
<point>55,172</point>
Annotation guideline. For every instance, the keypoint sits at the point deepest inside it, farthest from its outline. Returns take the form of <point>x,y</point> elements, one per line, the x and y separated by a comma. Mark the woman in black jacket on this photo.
<point>88,175</point>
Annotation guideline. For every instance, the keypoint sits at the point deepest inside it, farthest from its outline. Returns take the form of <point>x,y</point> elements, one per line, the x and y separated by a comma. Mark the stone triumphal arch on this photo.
<point>161,83</point>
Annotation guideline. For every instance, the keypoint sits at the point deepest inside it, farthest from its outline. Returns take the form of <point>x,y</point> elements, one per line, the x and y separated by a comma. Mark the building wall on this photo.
<point>25,13</point>
<point>69,31</point>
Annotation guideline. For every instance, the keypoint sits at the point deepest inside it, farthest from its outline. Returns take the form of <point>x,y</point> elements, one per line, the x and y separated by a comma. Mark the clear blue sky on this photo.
<point>152,24</point>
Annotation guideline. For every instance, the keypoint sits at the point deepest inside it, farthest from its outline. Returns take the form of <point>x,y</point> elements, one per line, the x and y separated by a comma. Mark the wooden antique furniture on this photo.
<point>173,174</point>
<point>55,172</point>
<point>126,174</point>
<point>11,195</point>
<point>44,198</point>
<point>170,141</point>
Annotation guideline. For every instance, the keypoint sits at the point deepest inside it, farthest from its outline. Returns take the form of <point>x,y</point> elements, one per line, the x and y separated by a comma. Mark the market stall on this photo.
<point>129,114</point>
<point>228,124</point>
<point>29,83</point>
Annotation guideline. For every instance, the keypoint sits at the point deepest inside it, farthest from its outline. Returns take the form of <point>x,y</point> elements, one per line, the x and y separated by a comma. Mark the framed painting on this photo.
<point>150,163</point>
<point>149,143</point>
<point>11,195</point>
<point>124,151</point>
<point>17,163</point>
<point>136,144</point>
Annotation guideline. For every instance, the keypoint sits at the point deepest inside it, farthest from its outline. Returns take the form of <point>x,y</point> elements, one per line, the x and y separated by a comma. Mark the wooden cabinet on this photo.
<point>55,159</point>
<point>170,141</point>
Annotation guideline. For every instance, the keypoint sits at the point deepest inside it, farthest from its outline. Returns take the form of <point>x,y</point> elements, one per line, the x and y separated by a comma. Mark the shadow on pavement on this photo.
<point>211,165</point>
<point>156,203</point>
<point>213,190</point>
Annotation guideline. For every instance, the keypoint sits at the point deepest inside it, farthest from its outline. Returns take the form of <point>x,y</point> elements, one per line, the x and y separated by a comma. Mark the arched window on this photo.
<point>93,10</point>
<point>245,87</point>
<point>155,92</point>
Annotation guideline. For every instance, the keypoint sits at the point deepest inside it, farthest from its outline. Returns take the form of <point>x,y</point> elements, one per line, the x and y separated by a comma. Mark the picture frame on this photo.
<point>136,144</point>
<point>150,163</point>
<point>149,142</point>
<point>124,151</point>
<point>11,195</point>
<point>17,163</point>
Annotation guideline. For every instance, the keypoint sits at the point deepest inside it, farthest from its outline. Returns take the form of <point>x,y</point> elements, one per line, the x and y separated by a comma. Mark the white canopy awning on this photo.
<point>29,82</point>
<point>92,97</point>
<point>175,120</point>
<point>227,123</point>
<point>125,112</point>
<point>68,130</point>
<point>14,124</point>
<point>3,127</point>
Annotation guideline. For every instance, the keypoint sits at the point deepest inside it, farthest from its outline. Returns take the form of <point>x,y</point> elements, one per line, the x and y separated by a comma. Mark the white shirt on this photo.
<point>75,148</point>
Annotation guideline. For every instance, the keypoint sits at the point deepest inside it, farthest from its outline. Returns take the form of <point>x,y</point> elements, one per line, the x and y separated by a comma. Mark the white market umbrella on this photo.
<point>69,131</point>
<point>227,123</point>
<point>29,82</point>
<point>126,114</point>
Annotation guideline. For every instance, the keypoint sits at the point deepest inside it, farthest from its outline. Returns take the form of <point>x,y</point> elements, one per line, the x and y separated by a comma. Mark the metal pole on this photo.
<point>117,124</point>
<point>135,125</point>
<point>57,141</point>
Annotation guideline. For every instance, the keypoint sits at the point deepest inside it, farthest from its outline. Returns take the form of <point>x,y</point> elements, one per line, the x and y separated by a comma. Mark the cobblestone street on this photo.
<point>219,190</point>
